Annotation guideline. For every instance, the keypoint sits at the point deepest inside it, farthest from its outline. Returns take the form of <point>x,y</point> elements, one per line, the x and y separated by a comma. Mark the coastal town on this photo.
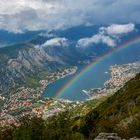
<point>29,101</point>
<point>120,74</point>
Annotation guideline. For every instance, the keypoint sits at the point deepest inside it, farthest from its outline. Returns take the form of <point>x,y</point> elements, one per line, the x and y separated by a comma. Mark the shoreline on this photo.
<point>46,84</point>
<point>120,74</point>
<point>26,97</point>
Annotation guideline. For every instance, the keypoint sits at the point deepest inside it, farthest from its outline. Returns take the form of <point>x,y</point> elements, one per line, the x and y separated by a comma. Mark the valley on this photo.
<point>31,76</point>
<point>115,115</point>
<point>69,70</point>
<point>31,71</point>
<point>30,101</point>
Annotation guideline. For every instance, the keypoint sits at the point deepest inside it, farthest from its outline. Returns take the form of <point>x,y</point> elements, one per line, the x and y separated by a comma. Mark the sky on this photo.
<point>32,15</point>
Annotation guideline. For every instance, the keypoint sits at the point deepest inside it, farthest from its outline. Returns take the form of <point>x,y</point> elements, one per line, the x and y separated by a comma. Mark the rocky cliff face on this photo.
<point>19,62</point>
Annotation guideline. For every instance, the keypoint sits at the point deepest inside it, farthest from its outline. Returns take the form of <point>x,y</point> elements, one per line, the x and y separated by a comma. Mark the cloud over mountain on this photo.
<point>56,42</point>
<point>95,39</point>
<point>118,29</point>
<point>107,35</point>
<point>22,15</point>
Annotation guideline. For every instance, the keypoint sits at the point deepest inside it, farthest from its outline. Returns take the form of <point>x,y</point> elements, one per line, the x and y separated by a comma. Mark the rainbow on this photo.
<point>94,63</point>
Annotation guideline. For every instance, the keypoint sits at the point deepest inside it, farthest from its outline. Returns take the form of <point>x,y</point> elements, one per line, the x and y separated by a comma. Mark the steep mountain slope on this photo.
<point>21,61</point>
<point>119,113</point>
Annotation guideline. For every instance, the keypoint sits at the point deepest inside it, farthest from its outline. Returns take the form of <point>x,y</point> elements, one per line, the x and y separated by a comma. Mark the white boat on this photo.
<point>85,91</point>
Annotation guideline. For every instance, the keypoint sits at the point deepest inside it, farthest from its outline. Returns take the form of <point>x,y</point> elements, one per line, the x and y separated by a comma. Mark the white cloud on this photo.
<point>95,39</point>
<point>56,42</point>
<point>46,34</point>
<point>21,15</point>
<point>118,29</point>
<point>107,35</point>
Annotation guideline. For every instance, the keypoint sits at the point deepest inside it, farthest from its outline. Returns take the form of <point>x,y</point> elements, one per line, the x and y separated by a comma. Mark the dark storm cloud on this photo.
<point>18,16</point>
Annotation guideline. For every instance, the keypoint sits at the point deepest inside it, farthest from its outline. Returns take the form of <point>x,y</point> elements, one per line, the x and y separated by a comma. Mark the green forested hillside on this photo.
<point>119,113</point>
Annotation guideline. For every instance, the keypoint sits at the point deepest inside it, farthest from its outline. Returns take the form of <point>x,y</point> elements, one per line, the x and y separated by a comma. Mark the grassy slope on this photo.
<point>87,106</point>
<point>119,113</point>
